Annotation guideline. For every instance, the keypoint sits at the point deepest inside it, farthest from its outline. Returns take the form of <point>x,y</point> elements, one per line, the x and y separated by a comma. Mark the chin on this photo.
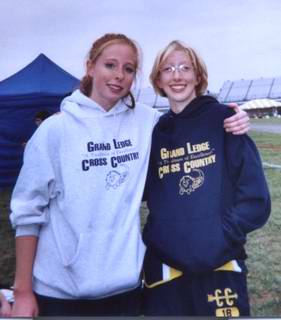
<point>180,98</point>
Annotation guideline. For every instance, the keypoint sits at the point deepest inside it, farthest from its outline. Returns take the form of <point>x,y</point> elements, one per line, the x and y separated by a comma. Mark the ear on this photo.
<point>90,68</point>
<point>158,82</point>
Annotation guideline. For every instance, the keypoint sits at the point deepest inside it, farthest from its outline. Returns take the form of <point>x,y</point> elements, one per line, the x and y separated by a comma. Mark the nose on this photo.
<point>176,74</point>
<point>119,74</point>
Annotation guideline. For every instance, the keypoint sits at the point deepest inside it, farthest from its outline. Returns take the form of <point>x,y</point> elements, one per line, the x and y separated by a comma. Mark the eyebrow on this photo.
<point>116,60</point>
<point>181,62</point>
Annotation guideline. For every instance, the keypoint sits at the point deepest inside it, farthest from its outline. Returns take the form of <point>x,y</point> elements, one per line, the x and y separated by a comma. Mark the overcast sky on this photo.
<point>238,39</point>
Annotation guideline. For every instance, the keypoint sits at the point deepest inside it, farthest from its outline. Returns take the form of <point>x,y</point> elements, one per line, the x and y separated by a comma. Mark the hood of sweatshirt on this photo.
<point>80,106</point>
<point>196,107</point>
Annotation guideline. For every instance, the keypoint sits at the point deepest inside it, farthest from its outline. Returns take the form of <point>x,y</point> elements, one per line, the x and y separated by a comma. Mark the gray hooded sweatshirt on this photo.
<point>79,191</point>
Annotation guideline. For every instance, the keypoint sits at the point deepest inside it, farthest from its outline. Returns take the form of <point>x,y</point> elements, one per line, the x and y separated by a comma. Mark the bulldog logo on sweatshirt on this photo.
<point>189,183</point>
<point>116,177</point>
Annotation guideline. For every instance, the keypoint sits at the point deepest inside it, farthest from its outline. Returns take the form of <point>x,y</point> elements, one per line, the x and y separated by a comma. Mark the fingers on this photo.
<point>238,123</point>
<point>234,106</point>
<point>235,121</point>
<point>36,311</point>
<point>240,116</point>
<point>238,128</point>
<point>5,312</point>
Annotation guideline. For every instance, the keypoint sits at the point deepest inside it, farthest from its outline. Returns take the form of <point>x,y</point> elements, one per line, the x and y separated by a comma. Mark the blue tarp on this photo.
<point>41,85</point>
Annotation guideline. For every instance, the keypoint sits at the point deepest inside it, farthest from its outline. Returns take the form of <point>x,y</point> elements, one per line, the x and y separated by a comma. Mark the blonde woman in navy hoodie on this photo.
<point>205,190</point>
<point>76,203</point>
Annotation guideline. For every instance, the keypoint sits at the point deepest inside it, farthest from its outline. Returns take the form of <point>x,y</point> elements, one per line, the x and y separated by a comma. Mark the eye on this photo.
<point>130,69</point>
<point>167,69</point>
<point>184,67</point>
<point>110,65</point>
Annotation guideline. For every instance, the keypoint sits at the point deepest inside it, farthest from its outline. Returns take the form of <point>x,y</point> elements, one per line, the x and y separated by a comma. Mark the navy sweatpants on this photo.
<point>220,293</point>
<point>124,304</point>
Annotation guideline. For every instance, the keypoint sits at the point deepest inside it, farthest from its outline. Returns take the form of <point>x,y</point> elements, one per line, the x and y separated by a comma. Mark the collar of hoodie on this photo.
<point>89,108</point>
<point>81,107</point>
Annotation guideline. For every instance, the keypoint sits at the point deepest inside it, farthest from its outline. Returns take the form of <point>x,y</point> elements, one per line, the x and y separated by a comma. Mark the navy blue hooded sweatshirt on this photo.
<point>205,189</point>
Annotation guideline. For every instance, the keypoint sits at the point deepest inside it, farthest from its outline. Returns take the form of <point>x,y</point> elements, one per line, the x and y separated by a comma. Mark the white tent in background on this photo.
<point>260,104</point>
<point>262,107</point>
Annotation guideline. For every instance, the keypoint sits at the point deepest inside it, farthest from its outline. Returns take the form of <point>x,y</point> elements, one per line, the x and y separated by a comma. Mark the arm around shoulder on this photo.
<point>239,123</point>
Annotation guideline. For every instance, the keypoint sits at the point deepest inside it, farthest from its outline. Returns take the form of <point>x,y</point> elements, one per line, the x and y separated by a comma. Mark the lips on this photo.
<point>115,88</point>
<point>178,87</point>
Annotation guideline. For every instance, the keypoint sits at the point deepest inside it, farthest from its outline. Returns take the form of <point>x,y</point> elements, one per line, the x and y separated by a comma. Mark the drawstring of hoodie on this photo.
<point>117,125</point>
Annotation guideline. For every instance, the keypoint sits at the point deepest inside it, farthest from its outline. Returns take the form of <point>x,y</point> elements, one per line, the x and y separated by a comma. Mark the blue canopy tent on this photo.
<point>41,85</point>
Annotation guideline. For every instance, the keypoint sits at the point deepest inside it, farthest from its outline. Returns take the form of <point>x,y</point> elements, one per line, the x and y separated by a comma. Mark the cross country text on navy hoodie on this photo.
<point>205,189</point>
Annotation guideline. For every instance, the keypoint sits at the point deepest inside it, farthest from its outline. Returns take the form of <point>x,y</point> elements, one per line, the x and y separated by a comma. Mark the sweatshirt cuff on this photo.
<point>28,230</point>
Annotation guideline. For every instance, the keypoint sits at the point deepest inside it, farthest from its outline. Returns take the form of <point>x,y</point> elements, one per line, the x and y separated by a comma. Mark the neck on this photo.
<point>106,105</point>
<point>179,106</point>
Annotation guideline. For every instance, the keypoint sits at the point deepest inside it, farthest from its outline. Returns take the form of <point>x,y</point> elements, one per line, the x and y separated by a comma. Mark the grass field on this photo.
<point>7,256</point>
<point>263,245</point>
<point>271,120</point>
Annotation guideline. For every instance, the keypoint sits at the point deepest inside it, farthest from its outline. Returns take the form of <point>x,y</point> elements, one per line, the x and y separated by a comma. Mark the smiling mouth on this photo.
<point>115,88</point>
<point>178,87</point>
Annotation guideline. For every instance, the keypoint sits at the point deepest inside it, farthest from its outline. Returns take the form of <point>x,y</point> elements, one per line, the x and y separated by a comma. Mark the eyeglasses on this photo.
<point>170,69</point>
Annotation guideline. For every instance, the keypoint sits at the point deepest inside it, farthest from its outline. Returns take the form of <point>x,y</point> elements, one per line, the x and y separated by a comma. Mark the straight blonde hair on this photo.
<point>197,63</point>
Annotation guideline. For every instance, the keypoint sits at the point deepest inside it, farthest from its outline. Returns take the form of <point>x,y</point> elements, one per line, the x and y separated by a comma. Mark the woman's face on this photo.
<point>113,74</point>
<point>178,79</point>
